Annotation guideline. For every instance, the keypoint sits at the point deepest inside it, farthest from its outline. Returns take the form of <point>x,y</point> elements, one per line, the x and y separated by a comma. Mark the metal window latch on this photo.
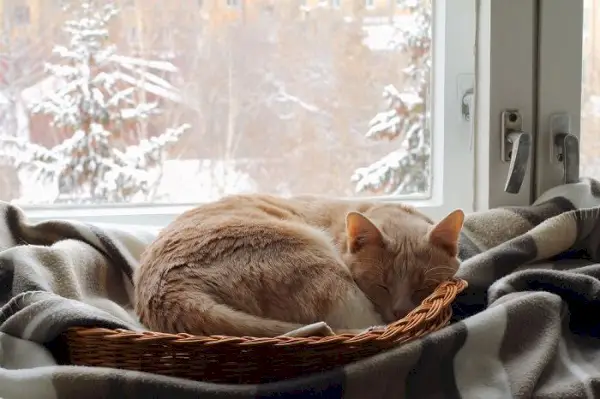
<point>565,147</point>
<point>515,149</point>
<point>466,104</point>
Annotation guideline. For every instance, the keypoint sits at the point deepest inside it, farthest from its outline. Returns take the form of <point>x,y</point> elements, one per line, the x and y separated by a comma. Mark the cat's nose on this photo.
<point>403,308</point>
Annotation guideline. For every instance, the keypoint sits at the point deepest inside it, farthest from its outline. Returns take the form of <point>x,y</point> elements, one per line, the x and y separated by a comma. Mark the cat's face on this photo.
<point>397,256</point>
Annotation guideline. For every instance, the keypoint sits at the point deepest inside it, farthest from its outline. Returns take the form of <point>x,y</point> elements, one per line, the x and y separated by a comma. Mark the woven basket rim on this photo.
<point>431,308</point>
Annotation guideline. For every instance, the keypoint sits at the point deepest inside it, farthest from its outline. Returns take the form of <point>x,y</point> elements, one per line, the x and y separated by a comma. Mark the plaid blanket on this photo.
<point>527,326</point>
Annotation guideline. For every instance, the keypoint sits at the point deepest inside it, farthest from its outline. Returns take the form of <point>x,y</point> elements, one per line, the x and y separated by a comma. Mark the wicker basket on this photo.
<point>224,359</point>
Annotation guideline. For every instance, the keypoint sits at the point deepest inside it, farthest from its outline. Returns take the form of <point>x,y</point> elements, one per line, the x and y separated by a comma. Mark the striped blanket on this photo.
<point>527,326</point>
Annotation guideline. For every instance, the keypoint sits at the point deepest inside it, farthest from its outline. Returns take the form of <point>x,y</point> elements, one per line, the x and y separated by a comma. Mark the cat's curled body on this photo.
<point>259,265</point>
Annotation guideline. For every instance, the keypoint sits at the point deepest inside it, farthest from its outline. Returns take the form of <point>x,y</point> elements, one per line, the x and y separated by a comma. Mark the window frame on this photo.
<point>559,83</point>
<point>453,75</point>
<point>506,79</point>
<point>452,161</point>
<point>535,67</point>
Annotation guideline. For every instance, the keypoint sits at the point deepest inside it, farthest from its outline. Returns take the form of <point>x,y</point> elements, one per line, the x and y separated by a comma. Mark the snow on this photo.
<point>129,61</point>
<point>189,181</point>
<point>385,122</point>
<point>283,96</point>
<point>396,174</point>
<point>377,174</point>
<point>148,86</point>
<point>54,84</point>
<point>183,181</point>
<point>380,37</point>
<point>391,123</point>
<point>381,34</point>
<point>34,94</point>
<point>406,170</point>
<point>20,114</point>
<point>85,96</point>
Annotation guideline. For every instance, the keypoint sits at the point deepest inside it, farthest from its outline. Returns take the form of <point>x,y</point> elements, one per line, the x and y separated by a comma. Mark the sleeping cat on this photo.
<point>260,265</point>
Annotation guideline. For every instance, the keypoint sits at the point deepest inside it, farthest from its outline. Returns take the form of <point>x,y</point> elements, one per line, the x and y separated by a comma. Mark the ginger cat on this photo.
<point>260,265</point>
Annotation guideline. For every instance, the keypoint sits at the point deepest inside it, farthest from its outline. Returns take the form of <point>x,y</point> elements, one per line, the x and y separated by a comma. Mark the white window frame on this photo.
<point>453,75</point>
<point>530,58</point>
<point>506,79</point>
<point>452,146</point>
<point>560,55</point>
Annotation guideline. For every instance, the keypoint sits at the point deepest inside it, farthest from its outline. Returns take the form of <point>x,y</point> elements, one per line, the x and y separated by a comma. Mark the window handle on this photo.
<point>567,153</point>
<point>565,146</point>
<point>515,149</point>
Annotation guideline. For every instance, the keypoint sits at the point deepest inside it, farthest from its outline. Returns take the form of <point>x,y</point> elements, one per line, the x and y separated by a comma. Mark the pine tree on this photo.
<point>95,106</point>
<point>406,170</point>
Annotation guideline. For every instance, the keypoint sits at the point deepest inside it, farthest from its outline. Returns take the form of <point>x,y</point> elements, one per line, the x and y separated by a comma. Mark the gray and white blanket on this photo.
<point>527,326</point>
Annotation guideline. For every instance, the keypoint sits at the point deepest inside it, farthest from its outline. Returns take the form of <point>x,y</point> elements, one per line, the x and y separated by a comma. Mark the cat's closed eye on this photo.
<point>383,287</point>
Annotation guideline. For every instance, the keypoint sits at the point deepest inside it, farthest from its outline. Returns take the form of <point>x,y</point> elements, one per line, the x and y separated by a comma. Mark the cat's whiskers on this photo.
<point>431,281</point>
<point>440,271</point>
<point>443,268</point>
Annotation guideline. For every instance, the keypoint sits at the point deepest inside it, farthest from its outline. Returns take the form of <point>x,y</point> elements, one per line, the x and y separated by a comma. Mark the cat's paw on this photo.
<point>362,331</point>
<point>316,329</point>
<point>374,329</point>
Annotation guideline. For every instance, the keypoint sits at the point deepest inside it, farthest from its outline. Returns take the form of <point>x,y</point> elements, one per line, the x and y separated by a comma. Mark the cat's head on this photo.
<point>398,256</point>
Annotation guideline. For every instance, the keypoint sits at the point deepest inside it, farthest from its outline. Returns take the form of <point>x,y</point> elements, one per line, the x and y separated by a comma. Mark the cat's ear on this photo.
<point>361,232</point>
<point>446,233</point>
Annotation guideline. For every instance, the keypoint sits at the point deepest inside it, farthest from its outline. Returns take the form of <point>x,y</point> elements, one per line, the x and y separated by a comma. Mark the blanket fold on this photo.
<point>527,325</point>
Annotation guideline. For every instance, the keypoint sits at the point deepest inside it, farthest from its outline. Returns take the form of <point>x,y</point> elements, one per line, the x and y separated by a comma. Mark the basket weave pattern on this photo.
<point>225,359</point>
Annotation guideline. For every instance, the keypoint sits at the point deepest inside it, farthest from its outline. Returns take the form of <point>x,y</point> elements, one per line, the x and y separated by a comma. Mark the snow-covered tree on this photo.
<point>95,106</point>
<point>406,170</point>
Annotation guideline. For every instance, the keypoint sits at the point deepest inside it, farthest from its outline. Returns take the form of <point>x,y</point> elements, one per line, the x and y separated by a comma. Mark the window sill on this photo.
<point>160,215</point>
<point>154,216</point>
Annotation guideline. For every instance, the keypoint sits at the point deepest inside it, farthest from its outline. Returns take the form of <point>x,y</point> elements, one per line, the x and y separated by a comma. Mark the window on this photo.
<point>342,109</point>
<point>370,3</point>
<point>562,97</point>
<point>544,83</point>
<point>336,3</point>
<point>504,82</point>
<point>590,102</point>
<point>233,3</point>
<point>548,85</point>
<point>21,15</point>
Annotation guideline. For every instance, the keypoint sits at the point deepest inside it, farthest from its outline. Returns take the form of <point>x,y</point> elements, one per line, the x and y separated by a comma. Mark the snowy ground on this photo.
<point>183,181</point>
<point>198,181</point>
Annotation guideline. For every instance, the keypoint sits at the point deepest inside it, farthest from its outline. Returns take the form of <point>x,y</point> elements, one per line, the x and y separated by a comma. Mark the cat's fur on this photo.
<point>261,265</point>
